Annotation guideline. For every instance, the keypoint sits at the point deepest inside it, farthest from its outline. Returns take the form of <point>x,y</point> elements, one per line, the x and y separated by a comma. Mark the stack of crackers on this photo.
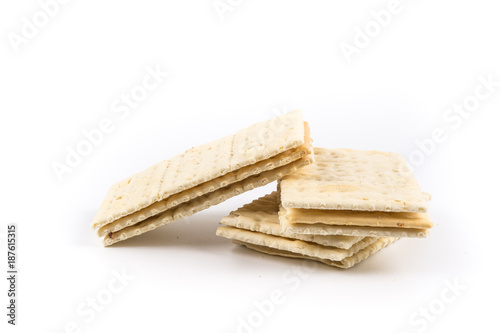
<point>204,176</point>
<point>335,206</point>
<point>339,211</point>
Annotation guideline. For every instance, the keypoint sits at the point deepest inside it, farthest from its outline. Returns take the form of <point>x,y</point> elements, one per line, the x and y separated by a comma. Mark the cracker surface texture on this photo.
<point>346,179</point>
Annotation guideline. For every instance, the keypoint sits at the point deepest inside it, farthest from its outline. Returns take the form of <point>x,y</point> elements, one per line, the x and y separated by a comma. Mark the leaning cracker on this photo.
<point>207,187</point>
<point>293,245</point>
<point>346,179</point>
<point>344,263</point>
<point>203,202</point>
<point>261,215</point>
<point>202,164</point>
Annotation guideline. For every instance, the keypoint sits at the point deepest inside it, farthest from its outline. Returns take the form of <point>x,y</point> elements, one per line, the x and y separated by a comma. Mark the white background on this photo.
<point>263,58</point>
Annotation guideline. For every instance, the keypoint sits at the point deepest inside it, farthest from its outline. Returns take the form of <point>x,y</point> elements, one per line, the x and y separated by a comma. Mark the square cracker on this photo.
<point>293,245</point>
<point>202,164</point>
<point>345,263</point>
<point>261,215</point>
<point>207,187</point>
<point>346,179</point>
<point>205,201</point>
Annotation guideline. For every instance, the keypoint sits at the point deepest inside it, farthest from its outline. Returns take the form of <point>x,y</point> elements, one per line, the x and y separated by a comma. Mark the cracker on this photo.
<point>344,263</point>
<point>202,164</point>
<point>358,218</point>
<point>261,215</point>
<point>329,230</point>
<point>360,231</point>
<point>205,201</point>
<point>345,179</point>
<point>207,187</point>
<point>293,245</point>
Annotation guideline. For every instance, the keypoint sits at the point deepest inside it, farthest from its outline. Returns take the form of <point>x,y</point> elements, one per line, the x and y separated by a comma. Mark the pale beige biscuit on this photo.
<point>360,231</point>
<point>358,218</point>
<point>210,186</point>
<point>330,230</point>
<point>345,263</point>
<point>202,164</point>
<point>205,201</point>
<point>346,179</point>
<point>261,215</point>
<point>293,245</point>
